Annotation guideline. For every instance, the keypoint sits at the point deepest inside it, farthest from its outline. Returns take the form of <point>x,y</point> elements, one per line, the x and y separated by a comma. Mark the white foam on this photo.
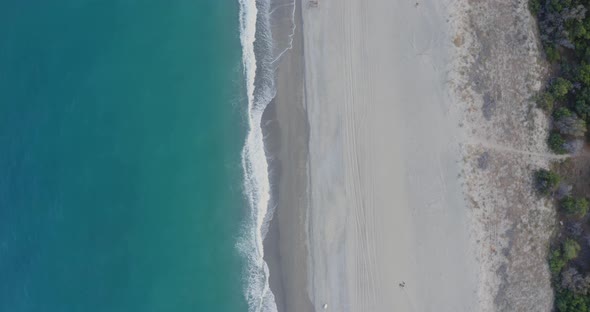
<point>256,176</point>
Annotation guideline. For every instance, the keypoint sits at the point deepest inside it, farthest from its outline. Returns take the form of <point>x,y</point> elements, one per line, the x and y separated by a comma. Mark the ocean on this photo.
<point>132,171</point>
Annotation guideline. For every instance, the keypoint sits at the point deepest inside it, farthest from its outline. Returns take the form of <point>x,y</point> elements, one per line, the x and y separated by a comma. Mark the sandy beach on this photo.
<point>386,204</point>
<point>388,160</point>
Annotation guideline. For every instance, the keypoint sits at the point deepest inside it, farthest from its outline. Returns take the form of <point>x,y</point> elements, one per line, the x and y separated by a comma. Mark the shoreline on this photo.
<point>287,135</point>
<point>392,152</point>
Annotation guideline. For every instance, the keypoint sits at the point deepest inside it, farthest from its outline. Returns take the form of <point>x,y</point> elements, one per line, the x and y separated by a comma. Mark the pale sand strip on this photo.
<point>386,204</point>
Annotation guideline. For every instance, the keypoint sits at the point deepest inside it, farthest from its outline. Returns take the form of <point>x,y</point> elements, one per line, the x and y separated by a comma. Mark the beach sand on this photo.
<point>380,129</point>
<point>386,204</point>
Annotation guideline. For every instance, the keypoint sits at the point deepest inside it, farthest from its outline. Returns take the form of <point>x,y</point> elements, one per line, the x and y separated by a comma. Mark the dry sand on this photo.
<point>405,143</point>
<point>386,203</point>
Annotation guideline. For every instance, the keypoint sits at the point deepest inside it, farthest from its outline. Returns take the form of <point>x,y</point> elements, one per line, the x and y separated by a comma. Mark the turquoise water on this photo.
<point>121,129</point>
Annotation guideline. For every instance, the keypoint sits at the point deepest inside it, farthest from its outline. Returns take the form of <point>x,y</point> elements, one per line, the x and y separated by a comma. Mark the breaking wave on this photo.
<point>256,41</point>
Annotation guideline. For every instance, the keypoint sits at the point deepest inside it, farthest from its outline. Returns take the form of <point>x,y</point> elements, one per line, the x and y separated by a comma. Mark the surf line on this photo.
<point>260,90</point>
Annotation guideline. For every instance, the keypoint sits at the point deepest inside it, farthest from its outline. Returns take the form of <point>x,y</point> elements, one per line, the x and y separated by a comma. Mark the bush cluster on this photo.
<point>546,181</point>
<point>564,27</point>
<point>577,207</point>
<point>565,34</point>
<point>559,257</point>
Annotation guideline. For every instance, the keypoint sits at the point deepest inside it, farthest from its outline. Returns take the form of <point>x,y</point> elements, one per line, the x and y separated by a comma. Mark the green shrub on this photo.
<point>577,207</point>
<point>571,248</point>
<point>560,87</point>
<point>552,53</point>
<point>567,301</point>
<point>579,30</point>
<point>545,101</point>
<point>556,261</point>
<point>559,257</point>
<point>583,109</point>
<point>546,181</point>
<point>556,143</point>
<point>559,5</point>
<point>561,113</point>
<point>584,74</point>
<point>534,6</point>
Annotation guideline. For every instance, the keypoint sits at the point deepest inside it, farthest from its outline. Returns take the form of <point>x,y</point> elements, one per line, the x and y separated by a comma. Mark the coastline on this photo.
<point>286,139</point>
<point>406,156</point>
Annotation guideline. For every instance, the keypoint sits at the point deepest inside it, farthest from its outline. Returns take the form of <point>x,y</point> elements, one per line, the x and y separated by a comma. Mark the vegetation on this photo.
<point>546,181</point>
<point>570,249</point>
<point>560,87</point>
<point>535,6</point>
<point>556,261</point>
<point>565,34</point>
<point>564,27</point>
<point>576,282</point>
<point>559,257</point>
<point>557,143</point>
<point>545,101</point>
<point>577,207</point>
<point>567,122</point>
<point>567,301</point>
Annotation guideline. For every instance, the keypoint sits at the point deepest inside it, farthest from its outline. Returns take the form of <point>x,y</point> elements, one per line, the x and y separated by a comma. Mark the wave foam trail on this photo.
<point>255,37</point>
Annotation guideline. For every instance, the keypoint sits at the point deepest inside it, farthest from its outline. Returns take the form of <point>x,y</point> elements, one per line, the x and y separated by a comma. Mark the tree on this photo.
<point>571,248</point>
<point>574,281</point>
<point>577,207</point>
<point>556,261</point>
<point>534,6</point>
<point>583,109</point>
<point>571,125</point>
<point>567,123</point>
<point>567,301</point>
<point>582,104</point>
<point>558,5</point>
<point>546,181</point>
<point>560,87</point>
<point>584,74</point>
<point>579,31</point>
<point>562,112</point>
